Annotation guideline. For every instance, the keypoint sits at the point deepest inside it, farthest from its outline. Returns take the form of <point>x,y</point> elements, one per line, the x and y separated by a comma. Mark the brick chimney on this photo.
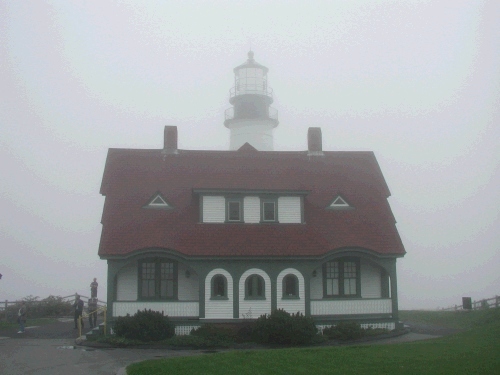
<point>170,140</point>
<point>314,142</point>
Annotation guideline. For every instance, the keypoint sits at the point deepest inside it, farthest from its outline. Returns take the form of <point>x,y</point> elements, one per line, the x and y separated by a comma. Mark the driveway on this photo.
<point>51,350</point>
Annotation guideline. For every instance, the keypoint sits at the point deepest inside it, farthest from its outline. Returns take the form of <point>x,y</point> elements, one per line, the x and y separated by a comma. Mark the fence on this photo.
<point>7,307</point>
<point>477,305</point>
<point>86,315</point>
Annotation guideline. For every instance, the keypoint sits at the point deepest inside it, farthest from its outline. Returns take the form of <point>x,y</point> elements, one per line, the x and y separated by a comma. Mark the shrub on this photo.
<point>211,335</point>
<point>52,306</point>
<point>344,331</point>
<point>197,342</point>
<point>214,332</point>
<point>282,328</point>
<point>146,325</point>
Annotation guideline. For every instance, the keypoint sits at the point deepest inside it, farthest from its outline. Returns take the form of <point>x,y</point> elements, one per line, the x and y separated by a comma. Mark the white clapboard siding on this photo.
<point>317,284</point>
<point>289,210</point>
<point>291,305</point>
<point>351,307</point>
<point>172,309</point>
<point>218,308</point>
<point>370,280</point>
<point>188,287</point>
<point>126,283</point>
<point>252,309</point>
<point>251,209</point>
<point>214,209</point>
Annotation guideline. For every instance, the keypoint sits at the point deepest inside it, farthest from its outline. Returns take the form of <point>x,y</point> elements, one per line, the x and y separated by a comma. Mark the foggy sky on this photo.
<point>417,82</point>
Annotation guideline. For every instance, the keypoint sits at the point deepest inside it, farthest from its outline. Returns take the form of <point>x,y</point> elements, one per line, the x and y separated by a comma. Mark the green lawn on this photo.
<point>475,351</point>
<point>452,319</point>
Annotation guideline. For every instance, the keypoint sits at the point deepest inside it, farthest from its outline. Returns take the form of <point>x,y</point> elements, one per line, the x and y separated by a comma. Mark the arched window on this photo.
<point>290,286</point>
<point>254,287</point>
<point>219,287</point>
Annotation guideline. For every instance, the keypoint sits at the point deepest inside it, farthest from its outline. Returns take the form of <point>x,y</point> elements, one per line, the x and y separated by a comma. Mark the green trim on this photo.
<point>251,192</point>
<point>201,208</point>
<point>302,219</point>
<point>384,283</point>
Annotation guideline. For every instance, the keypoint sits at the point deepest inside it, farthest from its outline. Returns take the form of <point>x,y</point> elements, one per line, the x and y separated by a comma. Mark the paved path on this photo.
<point>51,350</point>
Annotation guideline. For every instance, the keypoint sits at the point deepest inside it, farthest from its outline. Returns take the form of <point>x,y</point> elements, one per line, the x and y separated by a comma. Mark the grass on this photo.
<point>29,322</point>
<point>470,352</point>
<point>452,319</point>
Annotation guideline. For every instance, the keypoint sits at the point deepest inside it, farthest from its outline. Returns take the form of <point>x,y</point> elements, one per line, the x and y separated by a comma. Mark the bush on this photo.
<point>344,331</point>
<point>146,325</point>
<point>214,332</point>
<point>284,329</point>
<point>197,342</point>
<point>52,306</point>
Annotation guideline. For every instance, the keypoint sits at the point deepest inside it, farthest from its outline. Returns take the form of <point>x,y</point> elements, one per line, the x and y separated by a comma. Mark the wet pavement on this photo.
<point>50,350</point>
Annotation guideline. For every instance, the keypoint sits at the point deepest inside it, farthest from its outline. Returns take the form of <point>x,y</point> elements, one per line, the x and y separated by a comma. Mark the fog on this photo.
<point>417,82</point>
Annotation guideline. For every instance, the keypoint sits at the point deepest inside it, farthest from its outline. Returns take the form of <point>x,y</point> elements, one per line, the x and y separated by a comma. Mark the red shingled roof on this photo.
<point>132,177</point>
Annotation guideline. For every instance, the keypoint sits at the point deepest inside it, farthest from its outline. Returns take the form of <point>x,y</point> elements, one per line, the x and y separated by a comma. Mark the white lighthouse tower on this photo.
<point>251,119</point>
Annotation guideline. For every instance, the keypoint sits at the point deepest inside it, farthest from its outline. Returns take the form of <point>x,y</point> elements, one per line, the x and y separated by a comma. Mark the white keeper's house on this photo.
<point>226,236</point>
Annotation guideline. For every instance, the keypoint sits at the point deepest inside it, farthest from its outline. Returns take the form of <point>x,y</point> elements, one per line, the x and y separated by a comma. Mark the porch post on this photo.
<point>113,268</point>
<point>201,290</point>
<point>307,293</point>
<point>394,290</point>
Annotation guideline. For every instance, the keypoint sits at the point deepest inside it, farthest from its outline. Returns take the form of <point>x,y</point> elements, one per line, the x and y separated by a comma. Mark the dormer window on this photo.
<point>269,210</point>
<point>234,210</point>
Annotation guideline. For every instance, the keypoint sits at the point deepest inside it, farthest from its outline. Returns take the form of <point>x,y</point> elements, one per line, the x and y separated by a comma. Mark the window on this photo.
<point>158,202</point>
<point>339,203</point>
<point>269,212</point>
<point>341,278</point>
<point>158,279</point>
<point>219,287</point>
<point>290,286</point>
<point>234,210</point>
<point>254,287</point>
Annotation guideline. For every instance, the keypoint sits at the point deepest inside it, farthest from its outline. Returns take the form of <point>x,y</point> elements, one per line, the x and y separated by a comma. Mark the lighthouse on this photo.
<point>251,119</point>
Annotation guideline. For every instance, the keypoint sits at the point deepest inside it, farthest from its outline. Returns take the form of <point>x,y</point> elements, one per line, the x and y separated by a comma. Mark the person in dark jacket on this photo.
<point>78,306</point>
<point>93,288</point>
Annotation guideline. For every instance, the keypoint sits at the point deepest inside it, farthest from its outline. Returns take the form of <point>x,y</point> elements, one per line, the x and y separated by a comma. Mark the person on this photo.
<point>93,288</point>
<point>92,307</point>
<point>78,306</point>
<point>21,317</point>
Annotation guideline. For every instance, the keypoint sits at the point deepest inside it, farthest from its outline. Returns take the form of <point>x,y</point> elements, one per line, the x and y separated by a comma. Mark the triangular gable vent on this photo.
<point>158,202</point>
<point>339,202</point>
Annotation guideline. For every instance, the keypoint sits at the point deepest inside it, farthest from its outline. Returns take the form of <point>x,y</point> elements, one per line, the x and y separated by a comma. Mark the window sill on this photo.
<point>255,298</point>
<point>291,297</point>
<point>342,297</point>
<point>219,298</point>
